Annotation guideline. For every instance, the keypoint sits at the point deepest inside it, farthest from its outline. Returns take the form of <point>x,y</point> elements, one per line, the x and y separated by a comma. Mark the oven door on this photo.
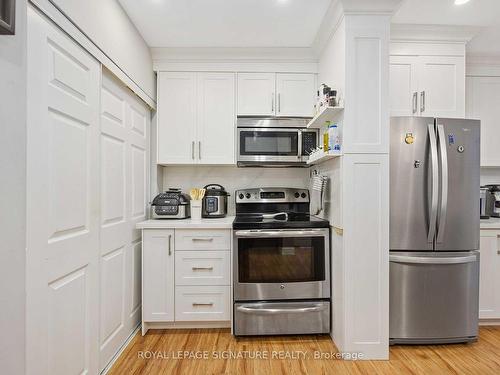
<point>281,264</point>
<point>269,145</point>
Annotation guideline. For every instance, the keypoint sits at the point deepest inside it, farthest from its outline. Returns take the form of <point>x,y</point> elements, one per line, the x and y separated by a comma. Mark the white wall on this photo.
<point>233,178</point>
<point>331,64</point>
<point>13,195</point>
<point>107,24</point>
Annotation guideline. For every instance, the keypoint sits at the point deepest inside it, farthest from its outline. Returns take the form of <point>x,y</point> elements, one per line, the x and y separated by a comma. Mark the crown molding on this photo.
<point>433,33</point>
<point>329,25</point>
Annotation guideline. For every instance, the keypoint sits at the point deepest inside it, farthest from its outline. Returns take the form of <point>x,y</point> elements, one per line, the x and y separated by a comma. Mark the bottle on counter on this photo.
<point>334,138</point>
<point>326,137</point>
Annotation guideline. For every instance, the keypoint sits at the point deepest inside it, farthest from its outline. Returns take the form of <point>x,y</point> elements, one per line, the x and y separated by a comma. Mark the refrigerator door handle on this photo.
<point>435,177</point>
<point>432,260</point>
<point>444,184</point>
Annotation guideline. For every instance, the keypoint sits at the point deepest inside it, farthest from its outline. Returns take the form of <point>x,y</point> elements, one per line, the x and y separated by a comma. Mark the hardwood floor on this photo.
<point>148,355</point>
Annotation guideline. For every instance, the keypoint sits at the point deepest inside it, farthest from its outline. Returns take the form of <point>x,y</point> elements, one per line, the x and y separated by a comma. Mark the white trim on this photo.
<point>329,25</point>
<point>433,33</point>
<point>184,325</point>
<point>122,349</point>
<point>482,66</point>
<point>48,9</point>
<point>426,48</point>
<point>489,322</point>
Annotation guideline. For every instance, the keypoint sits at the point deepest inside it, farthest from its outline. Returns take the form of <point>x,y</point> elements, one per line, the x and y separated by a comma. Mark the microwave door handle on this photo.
<point>299,146</point>
<point>435,179</point>
<point>444,184</point>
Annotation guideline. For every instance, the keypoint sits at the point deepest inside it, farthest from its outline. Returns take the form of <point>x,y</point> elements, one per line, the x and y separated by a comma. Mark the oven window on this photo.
<point>269,143</point>
<point>281,260</point>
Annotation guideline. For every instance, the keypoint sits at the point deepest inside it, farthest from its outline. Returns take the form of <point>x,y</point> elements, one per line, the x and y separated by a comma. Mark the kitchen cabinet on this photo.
<point>489,282</point>
<point>276,94</point>
<point>428,86</point>
<point>196,118</point>
<point>186,274</point>
<point>482,101</point>
<point>158,287</point>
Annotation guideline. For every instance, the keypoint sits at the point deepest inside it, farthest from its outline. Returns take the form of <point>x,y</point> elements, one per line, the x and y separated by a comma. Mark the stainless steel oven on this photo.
<point>281,264</point>
<point>274,142</point>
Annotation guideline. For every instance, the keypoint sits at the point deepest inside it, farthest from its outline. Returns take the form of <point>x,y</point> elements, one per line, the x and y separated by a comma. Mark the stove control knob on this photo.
<point>297,194</point>
<point>248,195</point>
<point>241,196</point>
<point>303,195</point>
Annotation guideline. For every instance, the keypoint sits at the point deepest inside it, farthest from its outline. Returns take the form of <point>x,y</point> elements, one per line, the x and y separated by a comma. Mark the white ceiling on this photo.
<point>483,13</point>
<point>227,23</point>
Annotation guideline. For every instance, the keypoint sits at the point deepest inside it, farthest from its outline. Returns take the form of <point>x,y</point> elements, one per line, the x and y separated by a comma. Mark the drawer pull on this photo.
<point>203,304</point>
<point>202,239</point>
<point>202,268</point>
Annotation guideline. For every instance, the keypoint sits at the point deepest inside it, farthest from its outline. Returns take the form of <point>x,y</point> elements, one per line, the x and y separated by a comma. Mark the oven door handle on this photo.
<point>280,233</point>
<point>273,311</point>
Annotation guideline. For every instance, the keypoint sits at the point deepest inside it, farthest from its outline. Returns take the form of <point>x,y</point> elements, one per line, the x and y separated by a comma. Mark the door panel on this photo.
<point>403,86</point>
<point>433,296</point>
<point>442,79</point>
<point>295,94</point>
<point>216,118</point>
<point>256,94</point>
<point>489,286</point>
<point>458,220</point>
<point>62,203</point>
<point>176,118</point>
<point>410,185</point>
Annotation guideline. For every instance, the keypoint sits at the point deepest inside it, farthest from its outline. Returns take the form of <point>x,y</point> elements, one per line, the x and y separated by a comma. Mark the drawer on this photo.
<point>202,303</point>
<point>202,268</point>
<point>202,239</point>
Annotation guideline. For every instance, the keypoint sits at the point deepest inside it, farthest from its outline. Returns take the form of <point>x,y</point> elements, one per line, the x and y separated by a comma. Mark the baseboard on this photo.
<point>120,351</point>
<point>184,325</point>
<point>489,322</point>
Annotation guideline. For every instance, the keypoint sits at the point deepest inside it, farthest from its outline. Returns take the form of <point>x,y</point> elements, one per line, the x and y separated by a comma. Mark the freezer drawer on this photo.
<point>281,318</point>
<point>434,297</point>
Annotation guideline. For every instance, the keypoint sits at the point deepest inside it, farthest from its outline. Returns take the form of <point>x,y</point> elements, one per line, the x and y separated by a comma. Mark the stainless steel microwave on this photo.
<point>274,142</point>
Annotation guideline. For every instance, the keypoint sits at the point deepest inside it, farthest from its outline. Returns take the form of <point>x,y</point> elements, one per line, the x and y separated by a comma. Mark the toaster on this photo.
<point>172,204</point>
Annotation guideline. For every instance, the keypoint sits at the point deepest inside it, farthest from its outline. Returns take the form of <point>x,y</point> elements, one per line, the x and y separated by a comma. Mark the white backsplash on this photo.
<point>233,178</point>
<point>490,176</point>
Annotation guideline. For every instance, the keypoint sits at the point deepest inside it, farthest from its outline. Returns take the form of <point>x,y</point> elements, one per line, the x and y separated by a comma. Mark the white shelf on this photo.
<point>321,157</point>
<point>326,114</point>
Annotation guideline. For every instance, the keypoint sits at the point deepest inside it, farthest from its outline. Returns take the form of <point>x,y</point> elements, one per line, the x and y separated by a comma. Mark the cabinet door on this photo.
<point>176,118</point>
<point>489,282</point>
<point>256,94</point>
<point>216,118</point>
<point>158,288</point>
<point>483,98</point>
<point>295,95</point>
<point>403,86</point>
<point>441,82</point>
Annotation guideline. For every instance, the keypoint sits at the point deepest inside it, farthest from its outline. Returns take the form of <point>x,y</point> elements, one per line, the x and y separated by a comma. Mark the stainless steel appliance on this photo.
<point>274,142</point>
<point>486,203</point>
<point>281,264</point>
<point>494,205</point>
<point>214,203</point>
<point>434,230</point>
<point>172,204</point>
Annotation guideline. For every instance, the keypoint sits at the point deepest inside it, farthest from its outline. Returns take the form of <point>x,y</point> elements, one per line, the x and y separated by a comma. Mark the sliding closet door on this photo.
<point>125,124</point>
<point>62,203</point>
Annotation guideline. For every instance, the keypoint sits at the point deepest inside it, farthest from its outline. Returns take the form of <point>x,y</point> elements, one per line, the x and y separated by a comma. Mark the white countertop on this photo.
<point>225,222</point>
<point>491,223</point>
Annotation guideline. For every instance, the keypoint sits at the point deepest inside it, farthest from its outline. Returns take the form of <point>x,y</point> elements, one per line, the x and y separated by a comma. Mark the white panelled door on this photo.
<point>62,203</point>
<point>403,85</point>
<point>216,120</point>
<point>177,118</point>
<point>125,124</point>
<point>295,94</point>
<point>256,94</point>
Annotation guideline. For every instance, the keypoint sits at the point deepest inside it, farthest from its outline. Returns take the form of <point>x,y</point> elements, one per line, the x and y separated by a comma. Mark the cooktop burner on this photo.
<point>280,220</point>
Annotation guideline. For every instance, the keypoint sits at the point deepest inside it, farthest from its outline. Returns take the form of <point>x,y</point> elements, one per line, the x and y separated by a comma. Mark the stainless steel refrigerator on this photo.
<point>434,230</point>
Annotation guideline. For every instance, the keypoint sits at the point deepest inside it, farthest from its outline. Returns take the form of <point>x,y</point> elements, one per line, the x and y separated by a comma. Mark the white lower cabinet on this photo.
<point>186,276</point>
<point>489,282</point>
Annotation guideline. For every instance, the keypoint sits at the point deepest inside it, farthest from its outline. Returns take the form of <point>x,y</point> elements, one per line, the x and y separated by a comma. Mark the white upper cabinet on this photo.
<point>432,86</point>
<point>176,118</point>
<point>196,118</point>
<point>483,103</point>
<point>403,85</point>
<point>216,118</point>
<point>276,94</point>
<point>256,94</point>
<point>295,95</point>
<point>442,86</point>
